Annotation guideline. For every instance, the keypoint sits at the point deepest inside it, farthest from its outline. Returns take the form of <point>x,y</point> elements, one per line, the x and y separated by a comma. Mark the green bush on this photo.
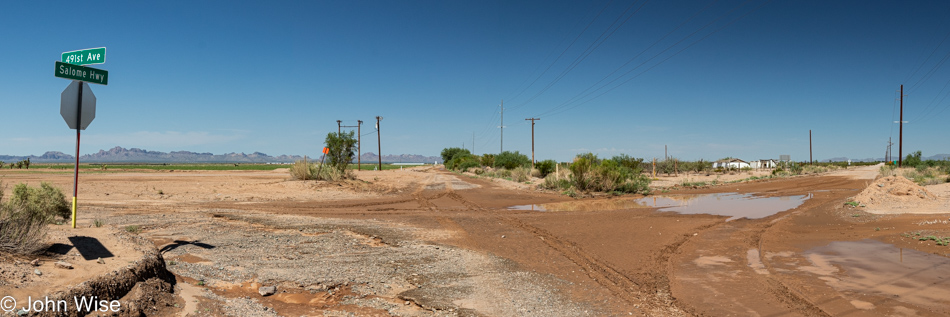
<point>341,148</point>
<point>45,202</point>
<point>488,159</point>
<point>588,173</point>
<point>545,167</point>
<point>511,160</point>
<point>23,219</point>
<point>449,153</point>
<point>461,161</point>
<point>631,163</point>
<point>521,174</point>
<point>303,171</point>
<point>913,159</point>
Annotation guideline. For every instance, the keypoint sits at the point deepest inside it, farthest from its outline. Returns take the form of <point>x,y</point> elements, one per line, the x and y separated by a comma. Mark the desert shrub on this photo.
<point>449,153</point>
<point>462,161</point>
<point>487,159</point>
<point>634,164</point>
<point>45,202</point>
<point>341,148</point>
<point>588,173</point>
<point>579,171</point>
<point>511,160</point>
<point>545,168</point>
<point>553,182</point>
<point>469,162</point>
<point>24,217</point>
<point>20,231</point>
<point>887,170</point>
<point>913,159</point>
<point>303,170</point>
<point>521,174</point>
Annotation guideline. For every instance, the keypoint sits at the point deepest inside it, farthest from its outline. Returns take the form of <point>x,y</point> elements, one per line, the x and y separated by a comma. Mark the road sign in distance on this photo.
<point>326,150</point>
<point>69,105</point>
<point>85,57</point>
<point>82,73</point>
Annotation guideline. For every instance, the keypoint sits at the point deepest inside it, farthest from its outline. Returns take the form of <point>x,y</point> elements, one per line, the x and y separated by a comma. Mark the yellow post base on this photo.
<point>74,212</point>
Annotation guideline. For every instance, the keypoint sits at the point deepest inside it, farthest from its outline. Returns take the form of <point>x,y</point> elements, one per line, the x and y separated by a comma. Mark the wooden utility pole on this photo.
<point>357,126</point>
<point>338,122</point>
<point>810,159</point>
<point>502,126</point>
<point>532,139</point>
<point>359,145</point>
<point>900,140</point>
<point>378,143</point>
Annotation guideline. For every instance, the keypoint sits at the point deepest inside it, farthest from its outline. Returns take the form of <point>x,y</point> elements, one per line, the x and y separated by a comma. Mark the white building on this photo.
<point>768,163</point>
<point>731,163</point>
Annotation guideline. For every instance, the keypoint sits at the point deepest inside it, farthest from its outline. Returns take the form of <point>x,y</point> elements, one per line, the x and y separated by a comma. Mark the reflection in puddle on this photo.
<point>725,204</point>
<point>872,267</point>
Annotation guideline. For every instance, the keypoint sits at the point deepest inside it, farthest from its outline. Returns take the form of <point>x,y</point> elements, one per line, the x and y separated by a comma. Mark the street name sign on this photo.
<point>85,57</point>
<point>82,73</point>
<point>69,106</point>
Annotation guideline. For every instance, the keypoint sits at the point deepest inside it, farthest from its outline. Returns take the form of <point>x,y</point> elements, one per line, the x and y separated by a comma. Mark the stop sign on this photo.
<point>69,105</point>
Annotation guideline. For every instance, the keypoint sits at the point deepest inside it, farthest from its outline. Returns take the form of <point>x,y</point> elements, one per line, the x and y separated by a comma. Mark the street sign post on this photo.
<point>69,105</point>
<point>82,73</point>
<point>87,56</point>
<point>77,102</point>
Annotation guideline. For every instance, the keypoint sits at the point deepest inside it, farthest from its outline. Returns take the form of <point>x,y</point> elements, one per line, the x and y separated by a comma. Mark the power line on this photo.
<point>589,50</point>
<point>567,48</point>
<point>554,111</point>
<point>579,95</point>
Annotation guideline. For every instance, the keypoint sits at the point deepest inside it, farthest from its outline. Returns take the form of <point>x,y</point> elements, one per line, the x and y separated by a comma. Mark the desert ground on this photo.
<point>424,241</point>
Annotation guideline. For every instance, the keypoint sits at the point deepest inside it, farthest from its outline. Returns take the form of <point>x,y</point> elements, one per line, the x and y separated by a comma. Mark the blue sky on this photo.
<point>709,79</point>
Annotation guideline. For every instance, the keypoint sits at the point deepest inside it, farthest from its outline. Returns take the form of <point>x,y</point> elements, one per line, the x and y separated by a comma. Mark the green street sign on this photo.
<point>82,73</point>
<point>87,56</point>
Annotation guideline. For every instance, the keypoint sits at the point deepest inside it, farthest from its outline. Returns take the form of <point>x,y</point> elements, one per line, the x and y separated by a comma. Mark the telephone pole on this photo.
<point>810,159</point>
<point>900,142</point>
<point>532,139</point>
<point>359,145</point>
<point>357,126</point>
<point>502,126</point>
<point>378,143</point>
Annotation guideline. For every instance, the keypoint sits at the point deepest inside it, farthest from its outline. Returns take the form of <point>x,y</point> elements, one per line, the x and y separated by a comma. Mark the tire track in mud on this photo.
<point>598,271</point>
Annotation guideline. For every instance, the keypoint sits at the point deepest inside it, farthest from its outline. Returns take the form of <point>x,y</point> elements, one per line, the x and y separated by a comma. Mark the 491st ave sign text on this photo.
<point>85,57</point>
<point>82,73</point>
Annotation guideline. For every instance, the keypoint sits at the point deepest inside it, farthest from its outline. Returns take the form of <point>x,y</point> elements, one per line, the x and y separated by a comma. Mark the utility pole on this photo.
<point>340,133</point>
<point>532,139</point>
<point>473,143</point>
<point>900,141</point>
<point>810,159</point>
<point>889,143</point>
<point>359,145</point>
<point>378,144</point>
<point>666,153</point>
<point>502,126</point>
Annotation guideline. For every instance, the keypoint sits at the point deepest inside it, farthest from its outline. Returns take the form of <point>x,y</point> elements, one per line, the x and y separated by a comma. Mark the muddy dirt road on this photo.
<point>428,242</point>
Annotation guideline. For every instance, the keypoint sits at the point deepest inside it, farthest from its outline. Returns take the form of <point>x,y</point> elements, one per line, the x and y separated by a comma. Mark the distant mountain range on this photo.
<point>122,155</point>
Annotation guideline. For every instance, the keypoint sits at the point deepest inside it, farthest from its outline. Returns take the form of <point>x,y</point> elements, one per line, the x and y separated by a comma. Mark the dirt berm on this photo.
<point>143,287</point>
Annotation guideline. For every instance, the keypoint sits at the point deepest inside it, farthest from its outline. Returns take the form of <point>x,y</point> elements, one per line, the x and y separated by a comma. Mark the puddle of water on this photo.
<point>873,267</point>
<point>724,204</point>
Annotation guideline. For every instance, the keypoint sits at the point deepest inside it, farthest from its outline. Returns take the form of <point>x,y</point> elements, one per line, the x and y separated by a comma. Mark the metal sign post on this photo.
<point>71,108</point>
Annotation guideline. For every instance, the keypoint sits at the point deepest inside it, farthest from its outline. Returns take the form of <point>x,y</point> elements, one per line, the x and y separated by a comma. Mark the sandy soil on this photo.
<point>427,242</point>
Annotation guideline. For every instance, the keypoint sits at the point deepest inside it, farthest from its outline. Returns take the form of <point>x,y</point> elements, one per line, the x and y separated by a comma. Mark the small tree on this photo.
<point>449,153</point>
<point>913,159</point>
<point>26,163</point>
<point>511,160</point>
<point>341,146</point>
<point>545,167</point>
